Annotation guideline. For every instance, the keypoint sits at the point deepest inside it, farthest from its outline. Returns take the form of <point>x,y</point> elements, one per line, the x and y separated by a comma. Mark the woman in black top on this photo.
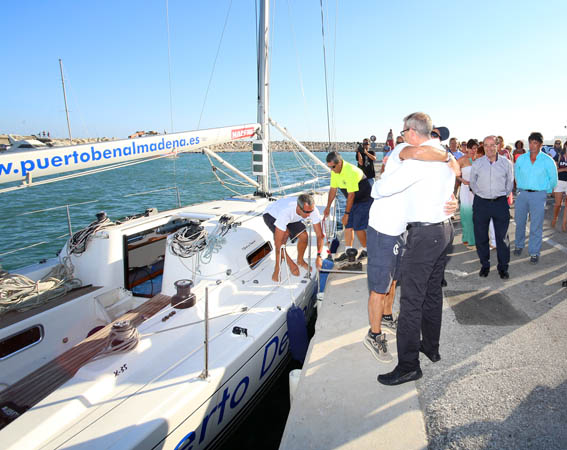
<point>560,190</point>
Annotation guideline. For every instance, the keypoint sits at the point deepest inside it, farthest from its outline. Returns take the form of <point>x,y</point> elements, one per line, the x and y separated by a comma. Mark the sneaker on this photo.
<point>391,324</point>
<point>518,251</point>
<point>343,257</point>
<point>378,347</point>
<point>534,259</point>
<point>363,254</point>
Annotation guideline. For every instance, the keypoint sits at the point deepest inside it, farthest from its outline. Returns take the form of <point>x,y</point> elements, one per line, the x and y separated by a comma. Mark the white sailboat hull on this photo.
<point>154,396</point>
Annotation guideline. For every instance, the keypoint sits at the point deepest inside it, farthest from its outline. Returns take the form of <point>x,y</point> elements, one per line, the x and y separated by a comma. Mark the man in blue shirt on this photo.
<point>536,176</point>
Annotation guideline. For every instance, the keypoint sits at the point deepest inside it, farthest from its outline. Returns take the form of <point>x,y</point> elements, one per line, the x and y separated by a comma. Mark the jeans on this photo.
<point>534,204</point>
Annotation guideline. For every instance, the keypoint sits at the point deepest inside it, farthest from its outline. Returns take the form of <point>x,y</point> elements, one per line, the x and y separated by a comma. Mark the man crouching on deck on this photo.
<point>285,218</point>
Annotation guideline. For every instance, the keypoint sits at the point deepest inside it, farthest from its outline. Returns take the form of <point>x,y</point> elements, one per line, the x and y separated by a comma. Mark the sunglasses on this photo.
<point>366,143</point>
<point>434,134</point>
<point>306,211</point>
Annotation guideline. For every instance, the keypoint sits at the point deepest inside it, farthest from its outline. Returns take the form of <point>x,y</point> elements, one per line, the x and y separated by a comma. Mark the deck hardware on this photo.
<point>240,330</point>
<point>205,373</point>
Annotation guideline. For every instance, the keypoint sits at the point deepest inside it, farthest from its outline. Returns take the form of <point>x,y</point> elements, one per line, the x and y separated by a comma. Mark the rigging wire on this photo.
<point>214,65</point>
<point>325,68</point>
<point>299,68</point>
<point>334,73</point>
<point>169,65</point>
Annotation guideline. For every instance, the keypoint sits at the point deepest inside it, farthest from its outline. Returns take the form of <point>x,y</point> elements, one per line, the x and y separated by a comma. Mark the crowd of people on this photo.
<point>403,222</point>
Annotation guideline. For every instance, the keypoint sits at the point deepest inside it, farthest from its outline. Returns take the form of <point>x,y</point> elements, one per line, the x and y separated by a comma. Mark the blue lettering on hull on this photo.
<point>274,350</point>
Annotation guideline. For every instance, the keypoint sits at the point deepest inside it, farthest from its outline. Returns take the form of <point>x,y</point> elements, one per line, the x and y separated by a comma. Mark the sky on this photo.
<point>478,67</point>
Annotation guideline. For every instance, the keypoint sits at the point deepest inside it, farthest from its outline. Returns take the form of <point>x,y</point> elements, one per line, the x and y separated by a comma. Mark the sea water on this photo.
<point>36,217</point>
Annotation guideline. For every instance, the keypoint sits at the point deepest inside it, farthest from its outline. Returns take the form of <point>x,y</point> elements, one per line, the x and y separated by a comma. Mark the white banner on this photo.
<point>38,163</point>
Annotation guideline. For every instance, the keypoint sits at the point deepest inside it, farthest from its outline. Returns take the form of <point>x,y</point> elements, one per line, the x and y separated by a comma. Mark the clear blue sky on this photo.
<point>477,67</point>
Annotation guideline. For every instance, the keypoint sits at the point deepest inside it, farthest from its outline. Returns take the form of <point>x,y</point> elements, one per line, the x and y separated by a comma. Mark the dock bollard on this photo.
<point>320,297</point>
<point>293,382</point>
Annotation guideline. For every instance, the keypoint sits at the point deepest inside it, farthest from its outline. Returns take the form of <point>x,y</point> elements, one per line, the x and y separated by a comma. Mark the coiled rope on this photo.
<point>79,240</point>
<point>123,337</point>
<point>20,293</point>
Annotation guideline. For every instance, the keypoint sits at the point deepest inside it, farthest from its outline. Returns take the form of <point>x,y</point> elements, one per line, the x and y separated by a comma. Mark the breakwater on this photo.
<point>233,146</point>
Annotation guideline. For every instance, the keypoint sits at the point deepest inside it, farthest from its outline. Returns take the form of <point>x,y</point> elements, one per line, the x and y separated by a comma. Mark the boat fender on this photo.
<point>328,264</point>
<point>297,332</point>
<point>335,244</point>
<point>293,382</point>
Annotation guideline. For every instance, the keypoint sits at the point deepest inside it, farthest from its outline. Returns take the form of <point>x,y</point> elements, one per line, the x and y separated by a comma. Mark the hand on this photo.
<point>465,182</point>
<point>319,262</point>
<point>344,220</point>
<point>451,206</point>
<point>326,212</point>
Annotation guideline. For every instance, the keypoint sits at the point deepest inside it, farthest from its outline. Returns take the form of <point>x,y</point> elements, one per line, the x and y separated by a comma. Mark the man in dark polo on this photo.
<point>492,180</point>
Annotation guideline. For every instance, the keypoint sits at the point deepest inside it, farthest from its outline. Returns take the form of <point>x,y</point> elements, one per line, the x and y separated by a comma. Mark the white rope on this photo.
<point>20,293</point>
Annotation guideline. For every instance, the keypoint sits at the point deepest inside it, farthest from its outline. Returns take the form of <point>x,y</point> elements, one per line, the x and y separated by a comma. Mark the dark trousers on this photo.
<point>499,211</point>
<point>421,303</point>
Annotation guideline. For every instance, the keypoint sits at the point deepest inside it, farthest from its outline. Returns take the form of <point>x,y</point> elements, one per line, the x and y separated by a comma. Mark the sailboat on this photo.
<point>170,327</point>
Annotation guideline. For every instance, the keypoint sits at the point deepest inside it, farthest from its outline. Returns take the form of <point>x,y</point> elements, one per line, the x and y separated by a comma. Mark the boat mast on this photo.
<point>261,148</point>
<point>65,99</point>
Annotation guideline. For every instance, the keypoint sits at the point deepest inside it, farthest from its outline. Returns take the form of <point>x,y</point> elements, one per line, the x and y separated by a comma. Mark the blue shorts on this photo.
<point>384,258</point>
<point>358,217</point>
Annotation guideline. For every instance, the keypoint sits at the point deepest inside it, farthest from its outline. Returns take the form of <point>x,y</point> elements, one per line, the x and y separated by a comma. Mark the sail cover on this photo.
<point>38,163</point>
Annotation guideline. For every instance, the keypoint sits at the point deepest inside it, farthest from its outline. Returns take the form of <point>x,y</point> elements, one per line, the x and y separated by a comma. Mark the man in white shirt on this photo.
<point>426,187</point>
<point>386,239</point>
<point>284,218</point>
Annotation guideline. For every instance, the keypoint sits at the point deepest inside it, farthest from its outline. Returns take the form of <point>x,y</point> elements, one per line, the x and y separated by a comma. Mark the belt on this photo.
<point>530,190</point>
<point>492,199</point>
<point>428,224</point>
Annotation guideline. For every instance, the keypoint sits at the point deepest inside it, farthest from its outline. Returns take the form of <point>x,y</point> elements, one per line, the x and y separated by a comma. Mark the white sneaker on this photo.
<point>378,347</point>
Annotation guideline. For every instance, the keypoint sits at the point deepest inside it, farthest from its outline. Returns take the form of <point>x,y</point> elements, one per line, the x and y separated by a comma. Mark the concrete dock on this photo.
<point>501,382</point>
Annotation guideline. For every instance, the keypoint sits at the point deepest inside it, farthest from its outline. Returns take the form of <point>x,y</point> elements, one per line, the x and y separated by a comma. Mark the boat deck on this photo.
<point>39,384</point>
<point>501,382</point>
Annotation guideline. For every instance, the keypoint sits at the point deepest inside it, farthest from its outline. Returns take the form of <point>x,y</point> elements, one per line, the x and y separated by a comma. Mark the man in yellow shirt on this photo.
<point>355,186</point>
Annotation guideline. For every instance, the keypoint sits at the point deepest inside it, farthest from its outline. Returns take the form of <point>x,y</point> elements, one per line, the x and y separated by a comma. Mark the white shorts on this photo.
<point>561,186</point>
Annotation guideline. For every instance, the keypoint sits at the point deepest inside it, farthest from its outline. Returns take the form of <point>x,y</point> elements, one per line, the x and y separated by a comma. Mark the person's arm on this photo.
<point>370,155</point>
<point>510,179</point>
<point>359,158</point>
<point>330,198</point>
<point>319,233</point>
<point>553,178</point>
<point>473,186</point>
<point>348,208</point>
<point>279,240</point>
<point>423,153</point>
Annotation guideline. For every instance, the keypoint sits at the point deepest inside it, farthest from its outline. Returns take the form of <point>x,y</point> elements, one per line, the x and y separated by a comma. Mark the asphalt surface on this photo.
<point>502,379</point>
<point>501,382</point>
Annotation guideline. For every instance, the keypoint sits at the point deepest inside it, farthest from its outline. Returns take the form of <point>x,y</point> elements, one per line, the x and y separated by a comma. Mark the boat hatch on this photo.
<point>256,256</point>
<point>144,254</point>
<point>20,341</point>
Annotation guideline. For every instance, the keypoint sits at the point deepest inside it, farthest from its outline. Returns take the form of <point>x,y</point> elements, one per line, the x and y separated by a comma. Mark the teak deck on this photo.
<point>33,388</point>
